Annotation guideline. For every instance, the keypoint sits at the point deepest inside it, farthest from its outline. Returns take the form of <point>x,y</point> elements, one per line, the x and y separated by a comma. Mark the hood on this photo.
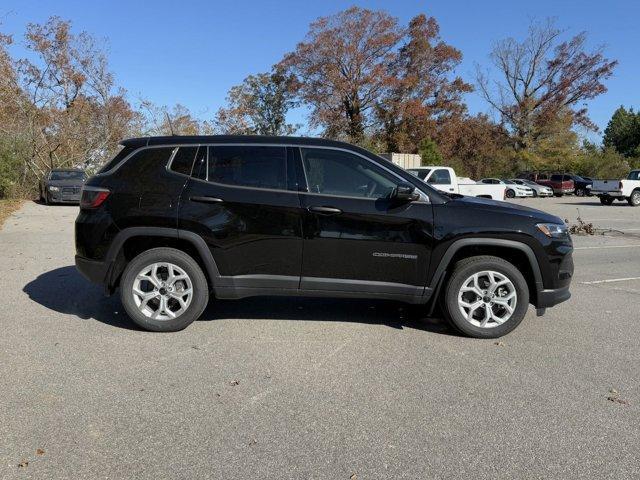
<point>73,182</point>
<point>507,208</point>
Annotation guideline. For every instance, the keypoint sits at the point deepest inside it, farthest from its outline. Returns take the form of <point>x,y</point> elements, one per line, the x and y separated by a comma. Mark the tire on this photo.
<point>510,194</point>
<point>606,201</point>
<point>188,310</point>
<point>634,199</point>
<point>557,195</point>
<point>535,194</point>
<point>46,199</point>
<point>463,272</point>
<point>580,192</point>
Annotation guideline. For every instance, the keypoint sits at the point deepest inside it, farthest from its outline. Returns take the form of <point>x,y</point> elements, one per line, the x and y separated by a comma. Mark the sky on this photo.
<point>192,52</point>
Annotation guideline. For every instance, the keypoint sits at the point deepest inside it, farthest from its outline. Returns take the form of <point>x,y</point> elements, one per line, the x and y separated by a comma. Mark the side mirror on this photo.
<point>405,192</point>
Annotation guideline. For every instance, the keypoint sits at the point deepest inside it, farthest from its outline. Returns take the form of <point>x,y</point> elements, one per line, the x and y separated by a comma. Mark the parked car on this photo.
<point>560,183</point>
<point>582,185</point>
<point>626,189</point>
<point>512,189</point>
<point>538,190</point>
<point>446,180</point>
<point>171,221</point>
<point>62,186</point>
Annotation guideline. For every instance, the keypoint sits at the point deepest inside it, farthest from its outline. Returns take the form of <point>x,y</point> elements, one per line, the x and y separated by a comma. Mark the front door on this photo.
<point>241,201</point>
<point>355,238</point>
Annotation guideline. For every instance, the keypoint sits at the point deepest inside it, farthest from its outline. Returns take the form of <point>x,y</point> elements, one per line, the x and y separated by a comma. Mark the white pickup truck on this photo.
<point>626,189</point>
<point>445,179</point>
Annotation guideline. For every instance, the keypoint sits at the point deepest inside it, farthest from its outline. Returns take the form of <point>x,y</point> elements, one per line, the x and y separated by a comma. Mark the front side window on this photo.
<point>183,160</point>
<point>634,175</point>
<point>421,173</point>
<point>248,166</point>
<point>335,172</point>
<point>440,176</point>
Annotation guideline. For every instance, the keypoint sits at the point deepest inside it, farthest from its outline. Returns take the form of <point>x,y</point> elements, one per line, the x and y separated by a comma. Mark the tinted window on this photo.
<point>634,175</point>
<point>556,178</point>
<point>146,160</point>
<point>334,172</point>
<point>117,159</point>
<point>67,175</point>
<point>200,165</point>
<point>248,166</point>
<point>440,177</point>
<point>183,160</point>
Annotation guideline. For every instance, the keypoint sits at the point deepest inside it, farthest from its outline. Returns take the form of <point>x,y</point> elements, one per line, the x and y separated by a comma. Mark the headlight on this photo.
<point>53,189</point>
<point>553,230</point>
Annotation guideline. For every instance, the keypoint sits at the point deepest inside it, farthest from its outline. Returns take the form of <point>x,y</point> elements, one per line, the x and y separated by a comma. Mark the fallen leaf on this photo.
<point>252,442</point>
<point>500,344</point>
<point>39,451</point>
<point>23,463</point>
<point>353,477</point>
<point>233,383</point>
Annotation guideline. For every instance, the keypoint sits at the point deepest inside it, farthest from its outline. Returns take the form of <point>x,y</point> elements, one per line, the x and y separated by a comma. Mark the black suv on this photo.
<point>173,220</point>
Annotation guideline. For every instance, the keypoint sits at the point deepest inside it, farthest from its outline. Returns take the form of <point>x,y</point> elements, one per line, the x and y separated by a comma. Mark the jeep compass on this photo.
<point>174,221</point>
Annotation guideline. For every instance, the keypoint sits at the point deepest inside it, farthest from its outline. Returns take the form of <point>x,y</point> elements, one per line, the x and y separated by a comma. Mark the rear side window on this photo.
<point>183,160</point>
<point>440,177</point>
<point>556,178</point>
<point>248,166</point>
<point>148,159</point>
<point>121,155</point>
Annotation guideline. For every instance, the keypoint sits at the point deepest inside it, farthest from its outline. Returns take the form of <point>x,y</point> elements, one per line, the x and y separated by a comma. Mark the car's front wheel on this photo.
<point>510,193</point>
<point>164,290</point>
<point>486,297</point>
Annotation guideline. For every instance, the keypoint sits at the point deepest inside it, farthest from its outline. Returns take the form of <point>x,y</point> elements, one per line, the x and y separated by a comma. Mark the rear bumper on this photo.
<point>613,193</point>
<point>93,270</point>
<point>551,297</point>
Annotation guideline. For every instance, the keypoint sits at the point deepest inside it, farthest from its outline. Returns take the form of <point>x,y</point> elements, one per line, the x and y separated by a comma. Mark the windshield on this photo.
<point>421,173</point>
<point>67,176</point>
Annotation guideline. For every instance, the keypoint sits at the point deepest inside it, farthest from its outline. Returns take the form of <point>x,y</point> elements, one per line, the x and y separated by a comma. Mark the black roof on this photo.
<point>196,139</point>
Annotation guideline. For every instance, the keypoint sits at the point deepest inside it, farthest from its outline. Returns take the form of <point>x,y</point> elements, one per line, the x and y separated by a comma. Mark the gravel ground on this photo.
<point>279,388</point>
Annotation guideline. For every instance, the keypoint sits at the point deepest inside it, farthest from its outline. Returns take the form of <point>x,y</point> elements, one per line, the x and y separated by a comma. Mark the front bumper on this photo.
<point>550,297</point>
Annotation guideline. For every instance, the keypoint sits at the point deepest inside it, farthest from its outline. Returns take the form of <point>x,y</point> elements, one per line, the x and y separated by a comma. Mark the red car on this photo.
<point>560,183</point>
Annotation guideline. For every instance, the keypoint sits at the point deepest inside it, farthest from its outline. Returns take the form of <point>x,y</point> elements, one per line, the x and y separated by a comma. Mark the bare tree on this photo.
<point>541,78</point>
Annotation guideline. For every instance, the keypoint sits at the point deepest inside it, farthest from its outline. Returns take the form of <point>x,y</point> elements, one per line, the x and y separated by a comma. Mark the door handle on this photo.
<point>206,199</point>
<point>325,210</point>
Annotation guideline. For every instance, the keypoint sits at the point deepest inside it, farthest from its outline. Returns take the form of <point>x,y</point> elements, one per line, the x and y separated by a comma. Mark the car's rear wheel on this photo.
<point>634,199</point>
<point>486,297</point>
<point>164,290</point>
<point>510,193</point>
<point>606,200</point>
<point>580,192</point>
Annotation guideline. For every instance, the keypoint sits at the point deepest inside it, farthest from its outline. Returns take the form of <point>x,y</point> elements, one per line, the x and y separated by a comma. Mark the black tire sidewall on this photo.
<point>461,274</point>
<point>511,194</point>
<point>635,194</point>
<point>182,260</point>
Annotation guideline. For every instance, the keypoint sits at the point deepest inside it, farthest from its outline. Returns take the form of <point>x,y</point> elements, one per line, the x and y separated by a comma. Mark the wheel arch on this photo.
<point>517,253</point>
<point>132,241</point>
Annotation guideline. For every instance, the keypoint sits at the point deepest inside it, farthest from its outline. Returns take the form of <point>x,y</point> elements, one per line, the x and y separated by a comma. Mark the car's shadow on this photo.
<point>64,290</point>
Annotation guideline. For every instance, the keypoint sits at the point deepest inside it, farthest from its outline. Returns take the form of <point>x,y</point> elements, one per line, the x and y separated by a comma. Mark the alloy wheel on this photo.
<point>487,299</point>
<point>162,291</point>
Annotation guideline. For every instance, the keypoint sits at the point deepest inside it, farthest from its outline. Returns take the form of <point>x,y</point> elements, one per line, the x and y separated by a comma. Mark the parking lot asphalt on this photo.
<point>316,388</point>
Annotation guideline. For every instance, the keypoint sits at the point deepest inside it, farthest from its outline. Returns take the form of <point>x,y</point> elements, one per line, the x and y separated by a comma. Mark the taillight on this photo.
<point>620,185</point>
<point>93,197</point>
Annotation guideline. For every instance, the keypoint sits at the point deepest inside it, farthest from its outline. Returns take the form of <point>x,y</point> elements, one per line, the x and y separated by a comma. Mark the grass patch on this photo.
<point>7,207</point>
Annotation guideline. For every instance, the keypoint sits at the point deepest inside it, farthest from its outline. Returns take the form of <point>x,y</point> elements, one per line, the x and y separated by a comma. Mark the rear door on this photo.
<point>243,201</point>
<point>355,238</point>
